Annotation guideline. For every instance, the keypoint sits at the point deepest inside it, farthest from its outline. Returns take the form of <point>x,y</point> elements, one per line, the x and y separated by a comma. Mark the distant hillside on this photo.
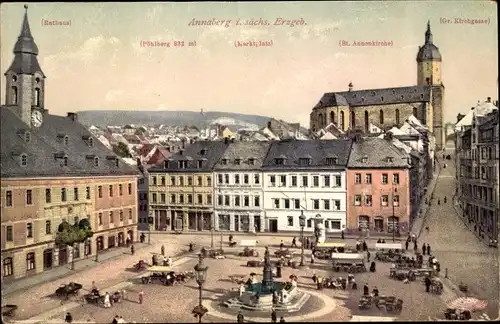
<point>171,118</point>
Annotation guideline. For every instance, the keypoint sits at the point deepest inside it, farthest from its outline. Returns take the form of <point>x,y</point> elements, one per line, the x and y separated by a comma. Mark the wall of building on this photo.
<point>377,189</point>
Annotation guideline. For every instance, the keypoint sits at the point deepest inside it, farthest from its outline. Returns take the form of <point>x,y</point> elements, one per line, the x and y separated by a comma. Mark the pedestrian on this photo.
<point>107,301</point>
<point>406,245</point>
<point>314,277</point>
<point>366,290</point>
<point>274,317</point>
<point>115,320</point>
<point>368,256</point>
<point>342,234</point>
<point>423,249</point>
<point>164,261</point>
<point>427,284</point>
<point>358,246</point>
<point>415,247</point>
<point>428,249</point>
<point>123,294</point>
<point>162,250</point>
<point>383,241</point>
<point>132,249</point>
<point>312,258</point>
<point>121,320</point>
<point>141,296</point>
<point>307,243</point>
<point>240,318</point>
<point>365,246</point>
<point>282,319</point>
<point>294,242</point>
<point>282,245</point>
<point>68,318</point>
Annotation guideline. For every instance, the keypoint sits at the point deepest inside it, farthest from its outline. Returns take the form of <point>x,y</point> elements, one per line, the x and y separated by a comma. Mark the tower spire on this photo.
<point>25,42</point>
<point>428,33</point>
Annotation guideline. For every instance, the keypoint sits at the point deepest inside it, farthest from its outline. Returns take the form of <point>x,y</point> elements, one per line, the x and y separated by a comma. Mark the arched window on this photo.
<point>381,117</point>
<point>37,97</point>
<point>91,142</point>
<point>14,95</point>
<point>66,140</point>
<point>27,137</point>
<point>96,161</point>
<point>397,117</point>
<point>8,267</point>
<point>367,121</point>
<point>353,119</point>
<point>415,112</point>
<point>332,118</point>
<point>342,120</point>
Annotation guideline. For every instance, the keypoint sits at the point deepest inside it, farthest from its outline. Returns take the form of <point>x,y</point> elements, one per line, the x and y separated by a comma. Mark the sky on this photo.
<point>97,61</point>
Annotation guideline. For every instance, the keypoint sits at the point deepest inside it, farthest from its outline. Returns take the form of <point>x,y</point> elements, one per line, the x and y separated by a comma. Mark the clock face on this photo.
<point>36,118</point>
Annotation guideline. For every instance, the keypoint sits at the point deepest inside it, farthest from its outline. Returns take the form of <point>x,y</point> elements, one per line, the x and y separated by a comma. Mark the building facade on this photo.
<point>143,199</point>
<point>54,169</point>
<point>391,106</point>
<point>239,204</point>
<point>378,186</point>
<point>181,188</point>
<point>309,177</point>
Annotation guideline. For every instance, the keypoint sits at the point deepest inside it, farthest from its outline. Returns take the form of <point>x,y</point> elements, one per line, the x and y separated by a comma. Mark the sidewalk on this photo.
<point>469,226</point>
<point>418,223</point>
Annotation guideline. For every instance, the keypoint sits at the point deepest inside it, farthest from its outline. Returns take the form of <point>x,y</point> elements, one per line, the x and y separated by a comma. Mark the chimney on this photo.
<point>73,116</point>
<point>488,99</point>
<point>388,136</point>
<point>226,140</point>
<point>350,86</point>
<point>269,124</point>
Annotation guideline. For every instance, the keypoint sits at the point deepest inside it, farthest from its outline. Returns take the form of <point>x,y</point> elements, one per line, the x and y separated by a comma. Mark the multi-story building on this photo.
<point>305,176</point>
<point>239,187</point>
<point>142,196</point>
<point>378,186</point>
<point>54,169</point>
<point>181,188</point>
<point>477,161</point>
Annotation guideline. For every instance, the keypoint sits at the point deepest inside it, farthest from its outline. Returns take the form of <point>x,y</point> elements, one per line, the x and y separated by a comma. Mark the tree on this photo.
<point>122,150</point>
<point>71,235</point>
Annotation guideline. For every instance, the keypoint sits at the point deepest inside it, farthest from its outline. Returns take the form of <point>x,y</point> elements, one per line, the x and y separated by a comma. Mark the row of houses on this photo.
<point>477,160</point>
<point>361,183</point>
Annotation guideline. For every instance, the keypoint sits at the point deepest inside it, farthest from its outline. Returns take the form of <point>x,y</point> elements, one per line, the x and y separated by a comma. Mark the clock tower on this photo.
<point>25,80</point>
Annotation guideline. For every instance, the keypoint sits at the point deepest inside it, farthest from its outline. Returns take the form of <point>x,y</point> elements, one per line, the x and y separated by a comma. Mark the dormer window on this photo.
<point>393,91</point>
<point>91,142</point>
<point>24,160</point>
<point>390,159</point>
<point>96,161</point>
<point>402,97</point>
<point>251,161</point>
<point>165,164</point>
<point>422,96</point>
<point>362,99</point>
<point>203,151</point>
<point>117,162</point>
<point>14,78</point>
<point>331,161</point>
<point>364,159</point>
<point>199,164</point>
<point>373,93</point>
<point>382,98</point>
<point>304,161</point>
<point>183,164</point>
<point>66,140</point>
<point>223,161</point>
<point>27,137</point>
<point>279,161</point>
<point>237,161</point>
<point>65,160</point>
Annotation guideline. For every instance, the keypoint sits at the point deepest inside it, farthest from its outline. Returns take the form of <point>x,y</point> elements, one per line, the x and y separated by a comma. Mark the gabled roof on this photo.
<point>374,152</point>
<point>244,151</point>
<point>317,150</point>
<point>46,149</point>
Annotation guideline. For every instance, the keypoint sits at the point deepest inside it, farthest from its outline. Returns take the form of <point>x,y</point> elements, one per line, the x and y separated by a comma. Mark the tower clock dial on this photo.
<point>36,118</point>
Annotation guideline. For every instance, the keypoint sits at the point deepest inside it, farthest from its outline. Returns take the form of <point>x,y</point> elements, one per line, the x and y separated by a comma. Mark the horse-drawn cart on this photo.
<point>71,289</point>
<point>9,310</point>
<point>247,252</point>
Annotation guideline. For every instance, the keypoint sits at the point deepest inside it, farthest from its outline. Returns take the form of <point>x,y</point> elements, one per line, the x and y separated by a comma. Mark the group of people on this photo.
<point>118,319</point>
<point>366,290</point>
<point>274,317</point>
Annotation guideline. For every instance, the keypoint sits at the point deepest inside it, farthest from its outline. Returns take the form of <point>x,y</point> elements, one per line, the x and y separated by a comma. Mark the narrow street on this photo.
<point>468,260</point>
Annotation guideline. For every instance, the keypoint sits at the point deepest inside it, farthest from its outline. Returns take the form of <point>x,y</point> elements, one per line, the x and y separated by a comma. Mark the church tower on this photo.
<point>429,73</point>
<point>24,79</point>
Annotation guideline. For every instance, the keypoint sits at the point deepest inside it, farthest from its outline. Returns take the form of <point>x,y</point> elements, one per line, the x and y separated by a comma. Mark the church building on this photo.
<point>385,108</point>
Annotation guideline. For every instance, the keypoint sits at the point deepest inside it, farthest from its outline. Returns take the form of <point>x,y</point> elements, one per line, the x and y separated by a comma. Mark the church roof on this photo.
<point>428,52</point>
<point>25,51</point>
<point>371,97</point>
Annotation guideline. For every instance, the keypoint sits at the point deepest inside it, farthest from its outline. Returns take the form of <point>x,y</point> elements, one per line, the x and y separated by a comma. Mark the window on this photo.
<point>96,161</point>
<point>24,160</point>
<point>154,198</point>
<point>368,200</point>
<point>8,198</point>
<point>129,188</point>
<point>219,179</point>
<point>120,189</point>
<point>396,201</point>
<point>111,190</point>
<point>190,181</point>
<point>226,178</point>
<point>357,200</point>
<point>251,161</point>
<point>256,201</point>
<point>29,197</point>
<point>315,204</point>
<point>209,199</point>
<point>65,160</point>
<point>29,230</point>
<point>48,227</point>
<point>304,161</point>
<point>9,235</point>
<point>223,161</point>
<point>309,221</point>
<point>256,178</point>
<point>331,161</point>
<point>99,191</point>
<point>30,261</point>
<point>272,180</point>
<point>237,161</point>
<point>8,267</point>
<point>63,194</point>
<point>385,178</point>
<point>290,220</point>
<point>121,215</point>
<point>335,225</point>
<point>326,180</point>
<point>220,200</point>
<point>237,200</point>
<point>385,200</point>
<point>297,204</point>
<point>338,181</point>
<point>276,203</point>
<point>172,198</point>
<point>337,204</point>
<point>130,213</point>
<point>162,198</point>
<point>75,193</point>
<point>368,178</point>
<point>236,179</point>
<point>357,178</point>
<point>87,193</point>
<point>246,201</point>
<point>286,203</point>
<point>66,140</point>
<point>99,219</point>
<point>245,179</point>
<point>304,181</point>
<point>395,178</point>
<point>189,198</point>
<point>315,181</point>
<point>279,161</point>
<point>153,181</point>
<point>181,181</point>
<point>326,203</point>
<point>294,181</point>
<point>199,199</point>
<point>209,181</point>
<point>282,181</point>
<point>227,201</point>
<point>111,217</point>
<point>199,181</point>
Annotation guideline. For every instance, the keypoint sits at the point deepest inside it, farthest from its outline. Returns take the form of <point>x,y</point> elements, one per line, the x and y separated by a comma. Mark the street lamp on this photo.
<point>201,276</point>
<point>302,223</point>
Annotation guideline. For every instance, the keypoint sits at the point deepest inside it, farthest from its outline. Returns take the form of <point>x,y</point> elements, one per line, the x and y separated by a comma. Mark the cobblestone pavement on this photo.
<point>468,260</point>
<point>174,304</point>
